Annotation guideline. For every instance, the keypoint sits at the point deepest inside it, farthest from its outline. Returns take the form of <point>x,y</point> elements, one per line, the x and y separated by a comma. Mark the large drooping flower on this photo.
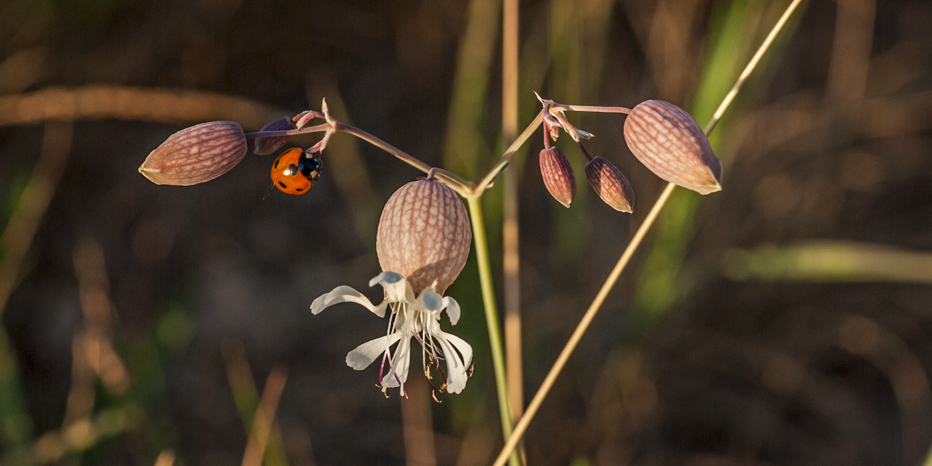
<point>422,244</point>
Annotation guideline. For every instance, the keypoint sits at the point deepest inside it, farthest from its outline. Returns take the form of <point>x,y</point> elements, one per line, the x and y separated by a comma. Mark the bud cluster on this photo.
<point>662,136</point>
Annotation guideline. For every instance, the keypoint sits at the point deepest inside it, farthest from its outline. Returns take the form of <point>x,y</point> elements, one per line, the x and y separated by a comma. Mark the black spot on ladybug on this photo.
<point>299,189</point>
<point>276,164</point>
<point>282,185</point>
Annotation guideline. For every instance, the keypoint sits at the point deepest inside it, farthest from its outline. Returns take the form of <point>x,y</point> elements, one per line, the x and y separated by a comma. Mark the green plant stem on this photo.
<point>491,318</point>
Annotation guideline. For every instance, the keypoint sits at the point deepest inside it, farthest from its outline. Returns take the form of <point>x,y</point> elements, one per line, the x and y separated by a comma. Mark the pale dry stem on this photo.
<point>131,103</point>
<point>246,394</point>
<point>510,227</point>
<point>417,426</point>
<point>265,416</point>
<point>166,458</point>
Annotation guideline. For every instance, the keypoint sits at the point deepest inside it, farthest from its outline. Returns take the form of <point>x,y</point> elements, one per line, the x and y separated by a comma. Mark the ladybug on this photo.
<point>295,171</point>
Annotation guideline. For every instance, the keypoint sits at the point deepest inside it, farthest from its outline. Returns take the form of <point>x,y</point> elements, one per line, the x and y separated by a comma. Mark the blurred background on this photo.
<point>785,320</point>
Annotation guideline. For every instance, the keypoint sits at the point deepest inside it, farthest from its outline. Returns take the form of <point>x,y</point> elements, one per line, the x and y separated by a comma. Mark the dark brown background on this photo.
<point>689,362</point>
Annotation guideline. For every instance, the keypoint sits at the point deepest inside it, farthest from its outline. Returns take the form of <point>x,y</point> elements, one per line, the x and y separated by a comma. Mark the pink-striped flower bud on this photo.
<point>670,143</point>
<point>196,154</point>
<point>265,145</point>
<point>424,235</point>
<point>558,175</point>
<point>610,184</point>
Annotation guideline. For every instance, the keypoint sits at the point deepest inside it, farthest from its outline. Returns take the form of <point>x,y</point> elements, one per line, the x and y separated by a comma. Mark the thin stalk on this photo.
<point>592,108</point>
<point>506,157</point>
<point>458,184</point>
<point>264,420</point>
<point>544,389</point>
<point>461,186</point>
<point>491,319</point>
<point>290,132</point>
<point>511,259</point>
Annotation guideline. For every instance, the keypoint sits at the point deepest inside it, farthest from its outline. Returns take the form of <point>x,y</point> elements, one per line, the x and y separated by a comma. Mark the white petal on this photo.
<point>456,362</point>
<point>429,301</point>
<point>464,348</point>
<point>345,294</point>
<point>453,309</point>
<point>364,354</point>
<point>397,289</point>
<point>380,309</point>
<point>386,278</point>
<point>398,373</point>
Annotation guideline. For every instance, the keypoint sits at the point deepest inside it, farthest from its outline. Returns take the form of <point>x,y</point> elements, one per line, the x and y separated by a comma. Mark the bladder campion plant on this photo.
<point>423,235</point>
<point>424,232</point>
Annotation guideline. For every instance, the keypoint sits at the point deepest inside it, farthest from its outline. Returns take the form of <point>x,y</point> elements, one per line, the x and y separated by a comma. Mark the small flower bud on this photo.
<point>265,145</point>
<point>671,144</point>
<point>558,175</point>
<point>424,235</point>
<point>196,154</point>
<point>610,184</point>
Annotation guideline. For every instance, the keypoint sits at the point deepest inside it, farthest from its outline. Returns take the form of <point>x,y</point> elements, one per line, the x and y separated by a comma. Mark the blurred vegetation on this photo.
<point>784,320</point>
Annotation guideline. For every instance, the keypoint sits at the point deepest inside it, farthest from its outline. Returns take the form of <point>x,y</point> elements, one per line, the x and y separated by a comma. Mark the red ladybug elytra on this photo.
<point>294,172</point>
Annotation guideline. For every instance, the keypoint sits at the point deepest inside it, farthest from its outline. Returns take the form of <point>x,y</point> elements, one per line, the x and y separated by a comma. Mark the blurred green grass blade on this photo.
<point>829,261</point>
<point>660,286</point>
<point>466,146</point>
<point>730,27</point>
